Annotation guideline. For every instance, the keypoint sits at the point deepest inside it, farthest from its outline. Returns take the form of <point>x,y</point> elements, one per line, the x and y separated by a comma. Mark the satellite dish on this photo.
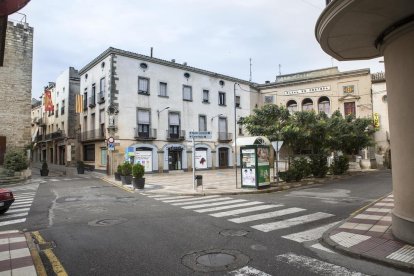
<point>8,7</point>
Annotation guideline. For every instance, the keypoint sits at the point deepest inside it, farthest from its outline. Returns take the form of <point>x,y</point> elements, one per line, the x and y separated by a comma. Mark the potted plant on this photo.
<point>137,176</point>
<point>44,171</point>
<point>118,173</point>
<point>126,176</point>
<point>80,167</point>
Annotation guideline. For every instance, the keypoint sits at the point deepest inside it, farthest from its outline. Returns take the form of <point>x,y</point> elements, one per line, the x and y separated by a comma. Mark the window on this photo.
<point>205,96</point>
<point>174,125</point>
<point>202,123</point>
<point>143,122</point>
<point>187,93</point>
<point>163,89</point>
<point>222,98</point>
<point>89,152</point>
<point>307,105</point>
<point>292,106</point>
<point>62,109</point>
<point>268,99</point>
<point>101,90</point>
<point>85,99</point>
<point>143,85</point>
<point>93,96</point>
<point>238,101</point>
<point>57,110</point>
<point>222,129</point>
<point>324,105</point>
<point>349,108</point>
<point>348,89</point>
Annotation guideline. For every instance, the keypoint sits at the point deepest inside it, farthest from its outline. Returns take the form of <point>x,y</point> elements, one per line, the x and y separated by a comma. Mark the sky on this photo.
<point>216,35</point>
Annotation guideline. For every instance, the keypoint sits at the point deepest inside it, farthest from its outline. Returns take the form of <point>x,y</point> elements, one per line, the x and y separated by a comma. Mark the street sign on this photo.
<point>277,145</point>
<point>111,146</point>
<point>111,140</point>
<point>200,134</point>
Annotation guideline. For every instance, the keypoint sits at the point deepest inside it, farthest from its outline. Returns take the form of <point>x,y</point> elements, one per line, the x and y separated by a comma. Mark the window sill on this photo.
<point>167,97</point>
<point>222,105</point>
<point>187,100</point>
<point>205,102</point>
<point>144,93</point>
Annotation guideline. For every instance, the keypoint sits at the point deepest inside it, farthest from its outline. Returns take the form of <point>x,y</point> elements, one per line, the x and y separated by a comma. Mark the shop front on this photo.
<point>144,154</point>
<point>175,158</point>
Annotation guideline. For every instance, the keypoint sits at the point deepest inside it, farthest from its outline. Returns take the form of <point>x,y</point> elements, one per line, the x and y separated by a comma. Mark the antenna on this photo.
<point>250,79</point>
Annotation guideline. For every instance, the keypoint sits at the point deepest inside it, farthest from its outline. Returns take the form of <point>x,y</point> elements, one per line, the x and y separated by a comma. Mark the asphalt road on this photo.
<point>99,229</point>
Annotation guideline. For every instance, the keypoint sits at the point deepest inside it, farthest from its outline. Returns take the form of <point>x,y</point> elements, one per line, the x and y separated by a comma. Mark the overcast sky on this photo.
<point>216,35</point>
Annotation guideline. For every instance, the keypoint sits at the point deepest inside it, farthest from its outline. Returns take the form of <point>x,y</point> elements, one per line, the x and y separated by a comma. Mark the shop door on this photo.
<point>2,148</point>
<point>62,154</point>
<point>174,159</point>
<point>223,157</point>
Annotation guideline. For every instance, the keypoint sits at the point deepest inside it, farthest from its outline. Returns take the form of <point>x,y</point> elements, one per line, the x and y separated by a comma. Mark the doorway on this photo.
<point>174,159</point>
<point>223,157</point>
<point>62,154</point>
<point>2,149</point>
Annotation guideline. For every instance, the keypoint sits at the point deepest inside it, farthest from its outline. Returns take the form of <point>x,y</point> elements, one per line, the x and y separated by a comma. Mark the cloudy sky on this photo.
<point>216,35</point>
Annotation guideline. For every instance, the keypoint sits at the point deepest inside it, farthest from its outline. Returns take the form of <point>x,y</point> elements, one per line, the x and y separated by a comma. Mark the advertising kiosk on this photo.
<point>255,166</point>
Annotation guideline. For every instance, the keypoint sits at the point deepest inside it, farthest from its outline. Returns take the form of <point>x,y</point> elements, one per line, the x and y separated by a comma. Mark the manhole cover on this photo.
<point>107,222</point>
<point>234,233</point>
<point>214,260</point>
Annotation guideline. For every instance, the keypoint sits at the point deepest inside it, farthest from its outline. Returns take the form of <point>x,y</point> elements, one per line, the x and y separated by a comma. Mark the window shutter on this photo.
<point>174,119</point>
<point>143,117</point>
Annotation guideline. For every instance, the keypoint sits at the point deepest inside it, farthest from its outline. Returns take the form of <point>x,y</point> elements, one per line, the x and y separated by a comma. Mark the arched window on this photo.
<point>292,106</point>
<point>307,105</point>
<point>324,105</point>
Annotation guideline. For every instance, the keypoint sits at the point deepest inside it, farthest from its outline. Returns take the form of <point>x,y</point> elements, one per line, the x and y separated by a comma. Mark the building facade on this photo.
<point>149,106</point>
<point>16,88</point>
<point>55,132</point>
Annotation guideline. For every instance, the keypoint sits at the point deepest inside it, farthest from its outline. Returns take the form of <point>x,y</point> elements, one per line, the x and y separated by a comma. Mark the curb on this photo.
<point>37,261</point>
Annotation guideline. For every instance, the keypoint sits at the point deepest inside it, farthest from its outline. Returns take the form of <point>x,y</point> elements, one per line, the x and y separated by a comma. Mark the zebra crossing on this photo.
<point>258,215</point>
<point>19,210</point>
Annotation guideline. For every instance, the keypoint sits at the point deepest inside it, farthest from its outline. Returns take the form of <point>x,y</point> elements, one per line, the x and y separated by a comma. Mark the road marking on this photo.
<point>267,215</point>
<point>244,210</point>
<point>171,197</point>
<point>155,196</point>
<point>190,199</point>
<point>214,204</point>
<point>21,206</point>
<point>323,248</point>
<point>18,210</point>
<point>14,221</point>
<point>202,201</point>
<point>316,266</point>
<point>7,216</point>
<point>248,271</point>
<point>20,202</point>
<point>310,235</point>
<point>213,209</point>
<point>267,227</point>
<point>12,240</point>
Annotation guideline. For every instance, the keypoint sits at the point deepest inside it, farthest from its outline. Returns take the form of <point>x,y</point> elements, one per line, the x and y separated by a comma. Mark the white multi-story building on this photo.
<point>149,106</point>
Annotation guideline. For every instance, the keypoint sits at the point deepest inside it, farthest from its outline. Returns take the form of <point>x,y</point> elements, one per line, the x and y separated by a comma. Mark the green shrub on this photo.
<point>126,169</point>
<point>299,168</point>
<point>119,169</point>
<point>319,165</point>
<point>340,165</point>
<point>138,171</point>
<point>44,165</point>
<point>15,160</point>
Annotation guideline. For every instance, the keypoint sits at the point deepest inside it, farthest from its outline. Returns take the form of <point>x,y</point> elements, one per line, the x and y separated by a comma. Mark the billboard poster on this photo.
<point>249,177</point>
<point>144,158</point>
<point>201,159</point>
<point>264,175</point>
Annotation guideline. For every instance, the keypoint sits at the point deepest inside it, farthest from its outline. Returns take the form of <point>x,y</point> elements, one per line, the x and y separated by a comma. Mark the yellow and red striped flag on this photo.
<point>79,103</point>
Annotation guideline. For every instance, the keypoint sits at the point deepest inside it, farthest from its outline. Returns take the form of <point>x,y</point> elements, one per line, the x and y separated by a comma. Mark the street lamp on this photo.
<point>159,111</point>
<point>235,129</point>
<point>218,115</point>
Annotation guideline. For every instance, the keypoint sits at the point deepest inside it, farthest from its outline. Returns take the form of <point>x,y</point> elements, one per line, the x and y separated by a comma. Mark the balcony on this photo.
<point>101,98</point>
<point>224,137</point>
<point>171,136</point>
<point>39,138</point>
<point>55,135</point>
<point>92,135</point>
<point>145,135</point>
<point>92,101</point>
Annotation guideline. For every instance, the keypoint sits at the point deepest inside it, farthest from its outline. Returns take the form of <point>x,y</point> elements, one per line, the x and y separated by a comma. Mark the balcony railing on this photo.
<point>55,135</point>
<point>146,135</point>
<point>101,97</point>
<point>92,135</point>
<point>171,136</point>
<point>39,138</point>
<point>92,101</point>
<point>224,136</point>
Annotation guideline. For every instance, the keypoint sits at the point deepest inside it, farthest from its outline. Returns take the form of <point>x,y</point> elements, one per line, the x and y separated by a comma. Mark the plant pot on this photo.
<point>138,183</point>
<point>126,179</point>
<point>81,170</point>
<point>117,176</point>
<point>44,172</point>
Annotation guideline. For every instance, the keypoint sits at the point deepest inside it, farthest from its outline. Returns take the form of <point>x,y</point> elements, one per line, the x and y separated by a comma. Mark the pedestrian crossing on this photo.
<point>261,216</point>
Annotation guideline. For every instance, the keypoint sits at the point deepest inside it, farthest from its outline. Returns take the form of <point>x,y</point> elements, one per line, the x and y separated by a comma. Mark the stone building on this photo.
<point>16,88</point>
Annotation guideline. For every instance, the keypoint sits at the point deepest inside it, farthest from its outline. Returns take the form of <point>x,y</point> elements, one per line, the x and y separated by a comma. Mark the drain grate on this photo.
<point>107,222</point>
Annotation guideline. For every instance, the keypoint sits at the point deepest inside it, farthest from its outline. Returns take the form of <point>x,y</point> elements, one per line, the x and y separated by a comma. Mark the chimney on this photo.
<point>267,82</point>
<point>152,50</point>
<point>173,60</point>
<point>185,63</point>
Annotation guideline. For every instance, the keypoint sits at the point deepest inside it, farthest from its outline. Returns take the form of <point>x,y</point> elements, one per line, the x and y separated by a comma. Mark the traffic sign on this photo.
<point>111,146</point>
<point>200,134</point>
<point>277,145</point>
<point>111,140</point>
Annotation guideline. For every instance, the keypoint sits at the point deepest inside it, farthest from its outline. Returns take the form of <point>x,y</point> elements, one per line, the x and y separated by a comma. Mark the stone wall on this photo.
<point>16,85</point>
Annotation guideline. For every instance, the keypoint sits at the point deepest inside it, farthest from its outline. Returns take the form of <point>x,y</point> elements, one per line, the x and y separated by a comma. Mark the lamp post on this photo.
<point>159,111</point>
<point>235,129</point>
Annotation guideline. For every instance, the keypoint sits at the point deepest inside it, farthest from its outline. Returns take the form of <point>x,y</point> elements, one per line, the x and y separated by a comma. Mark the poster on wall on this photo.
<point>248,158</point>
<point>144,158</point>
<point>249,177</point>
<point>263,166</point>
<point>201,159</point>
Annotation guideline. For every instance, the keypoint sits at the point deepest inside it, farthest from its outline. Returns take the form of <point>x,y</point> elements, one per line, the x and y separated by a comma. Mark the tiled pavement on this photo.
<point>368,235</point>
<point>15,257</point>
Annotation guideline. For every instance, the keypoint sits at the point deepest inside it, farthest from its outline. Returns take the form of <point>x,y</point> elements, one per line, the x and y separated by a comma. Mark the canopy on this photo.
<point>254,140</point>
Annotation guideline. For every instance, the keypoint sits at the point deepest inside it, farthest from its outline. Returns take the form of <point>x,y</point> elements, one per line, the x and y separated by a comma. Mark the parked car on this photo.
<point>6,199</point>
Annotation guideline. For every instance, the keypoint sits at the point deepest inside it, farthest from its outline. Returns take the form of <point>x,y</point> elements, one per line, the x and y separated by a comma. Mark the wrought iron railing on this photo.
<point>224,136</point>
<point>92,135</point>
<point>145,135</point>
<point>172,135</point>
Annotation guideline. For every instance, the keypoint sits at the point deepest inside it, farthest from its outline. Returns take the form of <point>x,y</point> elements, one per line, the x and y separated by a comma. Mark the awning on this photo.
<point>254,140</point>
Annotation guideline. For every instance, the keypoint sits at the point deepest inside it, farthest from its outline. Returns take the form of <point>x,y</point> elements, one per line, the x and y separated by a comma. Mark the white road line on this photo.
<point>248,271</point>
<point>24,197</point>
<point>316,266</point>
<point>310,235</point>
<point>14,221</point>
<point>157,196</point>
<point>244,210</point>
<point>18,207</point>
<point>18,210</point>
<point>267,227</point>
<point>202,201</point>
<point>213,209</point>
<point>9,232</point>
<point>173,197</point>
<point>18,215</point>
<point>267,215</point>
<point>194,198</point>
<point>15,206</point>
<point>54,180</point>
<point>323,248</point>
<point>20,202</point>
<point>12,240</point>
<point>214,204</point>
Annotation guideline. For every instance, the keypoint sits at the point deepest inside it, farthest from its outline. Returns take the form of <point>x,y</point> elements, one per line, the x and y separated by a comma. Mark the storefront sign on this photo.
<point>376,121</point>
<point>144,158</point>
<point>201,159</point>
<point>308,90</point>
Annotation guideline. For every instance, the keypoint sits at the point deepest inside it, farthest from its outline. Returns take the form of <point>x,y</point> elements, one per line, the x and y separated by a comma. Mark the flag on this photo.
<point>79,103</point>
<point>47,101</point>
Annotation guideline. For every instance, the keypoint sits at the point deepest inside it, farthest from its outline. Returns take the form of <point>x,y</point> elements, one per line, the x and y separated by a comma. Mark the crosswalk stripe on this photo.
<point>8,222</point>
<point>323,248</point>
<point>213,209</point>
<point>310,235</point>
<point>190,199</point>
<point>16,206</point>
<point>18,210</point>
<point>7,216</point>
<point>316,266</point>
<point>248,271</point>
<point>17,202</point>
<point>245,210</point>
<point>267,227</point>
<point>267,215</point>
<point>157,196</point>
<point>23,197</point>
<point>214,204</point>
<point>172,197</point>
<point>202,201</point>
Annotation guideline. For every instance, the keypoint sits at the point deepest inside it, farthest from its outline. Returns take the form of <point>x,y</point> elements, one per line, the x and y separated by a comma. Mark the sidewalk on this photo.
<point>368,235</point>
